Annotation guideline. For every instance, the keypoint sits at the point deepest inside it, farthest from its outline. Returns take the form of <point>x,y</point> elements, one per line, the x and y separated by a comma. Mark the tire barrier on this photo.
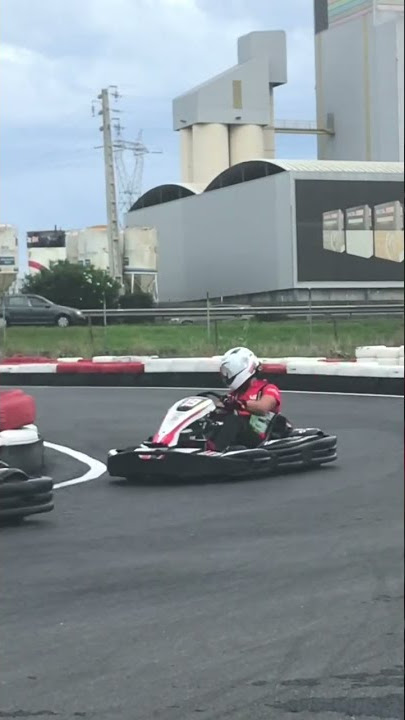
<point>377,369</point>
<point>385,357</point>
<point>21,496</point>
<point>23,448</point>
<point>16,410</point>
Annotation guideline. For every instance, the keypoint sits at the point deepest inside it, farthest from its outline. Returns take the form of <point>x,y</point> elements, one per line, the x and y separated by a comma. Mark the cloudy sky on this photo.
<point>56,56</point>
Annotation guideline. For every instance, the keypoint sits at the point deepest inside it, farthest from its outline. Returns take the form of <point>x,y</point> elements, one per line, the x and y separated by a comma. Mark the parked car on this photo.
<point>37,310</point>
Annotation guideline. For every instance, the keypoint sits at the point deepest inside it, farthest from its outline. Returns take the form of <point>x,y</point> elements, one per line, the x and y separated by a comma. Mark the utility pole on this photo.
<point>113,233</point>
<point>129,183</point>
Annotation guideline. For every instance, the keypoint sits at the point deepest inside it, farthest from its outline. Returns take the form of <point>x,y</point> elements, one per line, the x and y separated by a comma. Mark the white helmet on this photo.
<point>237,366</point>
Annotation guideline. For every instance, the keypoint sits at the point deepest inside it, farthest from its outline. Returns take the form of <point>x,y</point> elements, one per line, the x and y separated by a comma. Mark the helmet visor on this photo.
<point>226,376</point>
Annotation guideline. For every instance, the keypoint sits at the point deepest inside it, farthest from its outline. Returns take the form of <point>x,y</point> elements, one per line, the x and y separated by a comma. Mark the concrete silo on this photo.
<point>230,118</point>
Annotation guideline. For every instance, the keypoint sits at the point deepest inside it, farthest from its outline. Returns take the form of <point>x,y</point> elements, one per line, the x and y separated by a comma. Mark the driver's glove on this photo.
<point>231,403</point>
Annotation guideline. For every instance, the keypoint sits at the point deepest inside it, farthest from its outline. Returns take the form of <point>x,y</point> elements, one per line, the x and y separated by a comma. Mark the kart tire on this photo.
<point>12,521</point>
<point>25,511</point>
<point>26,487</point>
<point>10,474</point>
<point>15,501</point>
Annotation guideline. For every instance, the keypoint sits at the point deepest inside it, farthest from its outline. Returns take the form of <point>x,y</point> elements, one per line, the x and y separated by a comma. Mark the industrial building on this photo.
<point>271,229</point>
<point>8,257</point>
<point>359,61</point>
<point>89,246</point>
<point>242,224</point>
<point>230,118</point>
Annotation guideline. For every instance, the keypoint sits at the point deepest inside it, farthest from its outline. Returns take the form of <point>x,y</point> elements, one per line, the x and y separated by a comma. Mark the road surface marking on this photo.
<point>96,468</point>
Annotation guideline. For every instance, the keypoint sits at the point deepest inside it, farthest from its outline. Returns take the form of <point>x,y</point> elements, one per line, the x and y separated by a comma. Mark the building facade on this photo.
<point>230,118</point>
<point>273,229</point>
<point>359,60</point>
<point>89,246</point>
<point>9,260</point>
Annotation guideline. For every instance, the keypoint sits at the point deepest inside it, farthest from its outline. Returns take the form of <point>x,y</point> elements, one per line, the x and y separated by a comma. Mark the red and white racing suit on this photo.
<point>246,428</point>
<point>256,390</point>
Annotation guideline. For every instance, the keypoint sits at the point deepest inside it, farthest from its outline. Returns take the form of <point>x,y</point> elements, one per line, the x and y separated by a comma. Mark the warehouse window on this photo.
<point>243,172</point>
<point>162,194</point>
<point>237,94</point>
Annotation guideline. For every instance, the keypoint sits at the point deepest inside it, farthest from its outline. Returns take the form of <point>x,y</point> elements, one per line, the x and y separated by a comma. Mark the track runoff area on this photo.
<point>247,600</point>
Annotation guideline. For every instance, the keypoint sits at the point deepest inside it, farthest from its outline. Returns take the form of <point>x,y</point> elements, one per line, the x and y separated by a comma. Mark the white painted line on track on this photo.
<point>96,468</point>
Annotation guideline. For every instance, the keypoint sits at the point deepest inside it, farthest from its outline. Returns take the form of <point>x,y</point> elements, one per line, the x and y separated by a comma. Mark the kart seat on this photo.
<point>279,427</point>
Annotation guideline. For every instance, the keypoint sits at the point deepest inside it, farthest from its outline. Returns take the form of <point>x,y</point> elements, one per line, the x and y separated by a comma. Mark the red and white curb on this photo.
<point>373,361</point>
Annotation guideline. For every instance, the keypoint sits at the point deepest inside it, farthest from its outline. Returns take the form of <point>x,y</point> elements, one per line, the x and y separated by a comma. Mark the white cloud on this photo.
<point>55,56</point>
<point>35,89</point>
<point>160,47</point>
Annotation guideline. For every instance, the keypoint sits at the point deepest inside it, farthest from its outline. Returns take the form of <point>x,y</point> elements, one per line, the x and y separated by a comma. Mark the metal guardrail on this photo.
<point>216,312</point>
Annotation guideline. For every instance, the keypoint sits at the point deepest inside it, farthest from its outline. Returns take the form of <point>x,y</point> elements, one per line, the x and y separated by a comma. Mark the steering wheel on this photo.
<point>211,393</point>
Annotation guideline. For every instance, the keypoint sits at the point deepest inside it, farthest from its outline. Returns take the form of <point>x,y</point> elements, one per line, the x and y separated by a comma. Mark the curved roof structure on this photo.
<point>166,193</point>
<point>254,169</point>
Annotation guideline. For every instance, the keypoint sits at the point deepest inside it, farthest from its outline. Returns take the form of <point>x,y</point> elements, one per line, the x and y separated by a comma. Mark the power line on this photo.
<point>130,171</point>
<point>129,161</point>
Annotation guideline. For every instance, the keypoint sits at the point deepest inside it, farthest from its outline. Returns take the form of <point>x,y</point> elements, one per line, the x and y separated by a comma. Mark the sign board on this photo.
<point>46,238</point>
<point>8,256</point>
<point>389,231</point>
<point>373,249</point>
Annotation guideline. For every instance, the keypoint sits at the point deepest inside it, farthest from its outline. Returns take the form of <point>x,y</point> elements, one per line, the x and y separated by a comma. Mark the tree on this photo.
<point>74,285</point>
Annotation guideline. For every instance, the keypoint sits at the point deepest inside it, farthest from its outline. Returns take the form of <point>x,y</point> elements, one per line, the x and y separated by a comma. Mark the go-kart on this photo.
<point>178,450</point>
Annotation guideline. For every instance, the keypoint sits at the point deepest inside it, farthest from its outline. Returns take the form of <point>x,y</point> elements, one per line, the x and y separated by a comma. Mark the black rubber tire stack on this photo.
<point>29,458</point>
<point>21,496</point>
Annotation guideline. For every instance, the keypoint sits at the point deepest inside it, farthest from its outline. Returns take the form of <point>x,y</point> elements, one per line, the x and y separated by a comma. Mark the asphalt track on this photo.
<point>271,599</point>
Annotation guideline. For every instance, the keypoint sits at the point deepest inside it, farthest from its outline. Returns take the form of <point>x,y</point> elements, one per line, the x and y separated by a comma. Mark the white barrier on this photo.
<point>375,352</point>
<point>123,358</point>
<point>14,368</point>
<point>23,436</point>
<point>367,351</point>
<point>182,365</point>
<point>388,361</point>
<point>371,361</point>
<point>351,369</point>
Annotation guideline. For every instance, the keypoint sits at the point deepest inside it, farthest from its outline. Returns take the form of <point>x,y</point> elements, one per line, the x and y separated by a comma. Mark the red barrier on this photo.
<point>274,368</point>
<point>113,368</point>
<point>16,409</point>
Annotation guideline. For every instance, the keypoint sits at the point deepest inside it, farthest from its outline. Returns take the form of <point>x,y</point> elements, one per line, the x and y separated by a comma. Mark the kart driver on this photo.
<point>252,402</point>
